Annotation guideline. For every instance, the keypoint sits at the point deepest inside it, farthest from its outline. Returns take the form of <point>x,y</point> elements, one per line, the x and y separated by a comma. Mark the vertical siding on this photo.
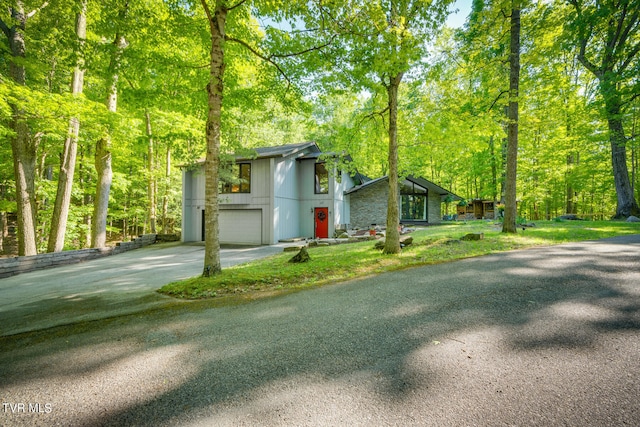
<point>305,175</point>
<point>286,209</point>
<point>283,189</point>
<point>258,199</point>
<point>309,200</point>
<point>341,201</point>
<point>192,204</point>
<point>186,206</point>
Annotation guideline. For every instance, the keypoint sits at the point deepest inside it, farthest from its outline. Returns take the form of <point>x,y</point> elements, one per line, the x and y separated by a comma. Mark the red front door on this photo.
<point>322,223</point>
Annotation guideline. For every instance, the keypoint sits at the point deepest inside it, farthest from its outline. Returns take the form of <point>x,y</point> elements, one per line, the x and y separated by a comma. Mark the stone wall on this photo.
<point>24,264</point>
<point>369,205</point>
<point>434,208</point>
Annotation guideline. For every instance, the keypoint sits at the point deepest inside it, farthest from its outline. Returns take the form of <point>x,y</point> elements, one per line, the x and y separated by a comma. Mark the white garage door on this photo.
<point>243,227</point>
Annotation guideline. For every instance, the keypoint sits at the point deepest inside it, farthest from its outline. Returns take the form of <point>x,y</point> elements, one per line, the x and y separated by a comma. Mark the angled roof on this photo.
<point>433,187</point>
<point>281,151</point>
<point>417,180</point>
<point>365,184</point>
<point>276,151</point>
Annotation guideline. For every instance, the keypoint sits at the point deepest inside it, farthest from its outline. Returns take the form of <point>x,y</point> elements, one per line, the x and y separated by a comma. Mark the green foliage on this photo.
<point>450,122</point>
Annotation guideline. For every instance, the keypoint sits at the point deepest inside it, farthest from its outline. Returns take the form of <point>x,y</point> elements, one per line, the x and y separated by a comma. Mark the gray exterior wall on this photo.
<point>285,223</point>
<point>192,204</point>
<point>335,200</point>
<point>281,188</point>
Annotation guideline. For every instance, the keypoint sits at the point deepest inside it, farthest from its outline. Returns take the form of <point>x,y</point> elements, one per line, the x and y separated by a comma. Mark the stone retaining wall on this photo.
<point>24,264</point>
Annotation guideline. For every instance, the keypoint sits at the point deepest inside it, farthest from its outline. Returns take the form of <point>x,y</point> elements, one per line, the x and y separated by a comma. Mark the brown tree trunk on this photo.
<point>151,190</point>
<point>103,153</point>
<point>165,197</point>
<point>101,200</point>
<point>87,199</point>
<point>627,204</point>
<point>217,23</point>
<point>494,169</point>
<point>392,235</point>
<point>571,194</point>
<point>619,54</point>
<point>510,208</point>
<point>23,147</point>
<point>69,151</point>
<point>3,230</point>
<point>24,166</point>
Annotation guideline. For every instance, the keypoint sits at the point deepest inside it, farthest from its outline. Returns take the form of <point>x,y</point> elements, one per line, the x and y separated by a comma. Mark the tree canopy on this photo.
<point>385,81</point>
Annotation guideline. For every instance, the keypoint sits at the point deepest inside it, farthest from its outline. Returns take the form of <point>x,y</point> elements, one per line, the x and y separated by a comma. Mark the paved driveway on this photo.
<point>538,337</point>
<point>105,287</point>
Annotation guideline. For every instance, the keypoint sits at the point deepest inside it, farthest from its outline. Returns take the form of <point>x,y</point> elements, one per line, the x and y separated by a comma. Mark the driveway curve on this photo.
<point>106,287</point>
<point>539,337</point>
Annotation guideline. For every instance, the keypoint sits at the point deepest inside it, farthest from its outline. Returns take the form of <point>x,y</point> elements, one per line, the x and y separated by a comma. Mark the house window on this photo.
<point>241,179</point>
<point>413,202</point>
<point>322,179</point>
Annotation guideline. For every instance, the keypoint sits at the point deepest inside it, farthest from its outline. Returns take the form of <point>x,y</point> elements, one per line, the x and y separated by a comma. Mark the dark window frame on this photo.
<point>320,178</point>
<point>411,198</point>
<point>242,173</point>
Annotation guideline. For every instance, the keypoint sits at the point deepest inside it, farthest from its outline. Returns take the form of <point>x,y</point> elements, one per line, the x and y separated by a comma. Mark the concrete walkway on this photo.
<point>106,287</point>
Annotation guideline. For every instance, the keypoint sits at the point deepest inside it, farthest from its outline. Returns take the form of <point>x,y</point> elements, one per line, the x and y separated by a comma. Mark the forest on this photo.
<point>103,103</point>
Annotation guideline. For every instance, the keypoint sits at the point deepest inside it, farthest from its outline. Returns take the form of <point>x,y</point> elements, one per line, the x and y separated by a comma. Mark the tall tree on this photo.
<point>217,19</point>
<point>379,44</point>
<point>103,146</point>
<point>23,144</point>
<point>219,14</point>
<point>152,186</point>
<point>70,148</point>
<point>607,37</point>
<point>510,208</point>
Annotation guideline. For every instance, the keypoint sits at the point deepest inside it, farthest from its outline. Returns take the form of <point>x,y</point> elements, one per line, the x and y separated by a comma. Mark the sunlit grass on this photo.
<point>339,263</point>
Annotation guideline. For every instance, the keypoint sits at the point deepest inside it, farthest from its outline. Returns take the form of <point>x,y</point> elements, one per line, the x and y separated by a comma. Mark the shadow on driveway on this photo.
<point>545,336</point>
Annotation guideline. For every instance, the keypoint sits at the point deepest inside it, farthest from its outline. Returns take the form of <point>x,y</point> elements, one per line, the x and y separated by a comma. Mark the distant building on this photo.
<point>477,209</point>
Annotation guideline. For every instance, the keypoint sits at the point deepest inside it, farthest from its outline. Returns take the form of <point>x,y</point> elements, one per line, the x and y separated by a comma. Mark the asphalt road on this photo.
<point>539,337</point>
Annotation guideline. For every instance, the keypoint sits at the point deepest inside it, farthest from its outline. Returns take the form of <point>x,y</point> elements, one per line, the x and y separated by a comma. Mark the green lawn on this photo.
<point>435,244</point>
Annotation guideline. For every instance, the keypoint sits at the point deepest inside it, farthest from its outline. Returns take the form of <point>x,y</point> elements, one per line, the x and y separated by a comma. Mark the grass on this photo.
<point>338,263</point>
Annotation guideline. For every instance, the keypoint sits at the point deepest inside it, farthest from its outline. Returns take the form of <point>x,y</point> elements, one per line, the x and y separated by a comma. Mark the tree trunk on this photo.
<point>619,53</point>
<point>85,179</point>
<point>3,230</point>
<point>392,235</point>
<point>103,155</point>
<point>23,147</point>
<point>572,208</point>
<point>152,181</point>
<point>167,189</point>
<point>627,204</point>
<point>24,166</point>
<point>494,169</point>
<point>101,201</point>
<point>510,208</point>
<point>217,22</point>
<point>69,152</point>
